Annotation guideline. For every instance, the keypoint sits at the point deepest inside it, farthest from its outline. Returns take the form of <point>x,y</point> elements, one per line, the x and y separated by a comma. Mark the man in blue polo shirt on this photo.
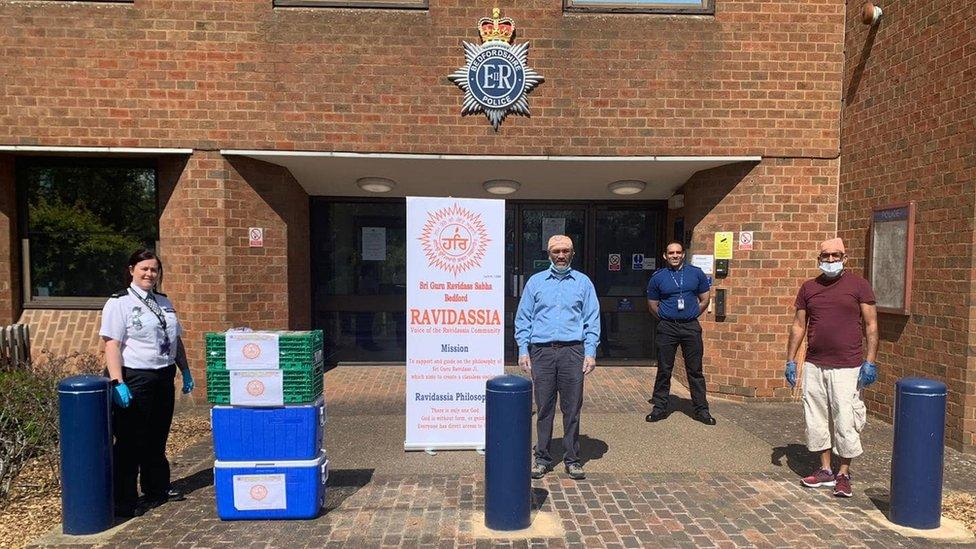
<point>676,295</point>
<point>557,328</point>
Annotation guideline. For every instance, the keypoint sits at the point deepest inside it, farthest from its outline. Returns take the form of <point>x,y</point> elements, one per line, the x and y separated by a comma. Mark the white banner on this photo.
<point>254,492</point>
<point>257,388</point>
<point>251,350</point>
<point>455,318</point>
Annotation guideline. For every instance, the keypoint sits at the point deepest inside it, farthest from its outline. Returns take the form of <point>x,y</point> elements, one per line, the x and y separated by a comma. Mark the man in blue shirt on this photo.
<point>557,328</point>
<point>676,295</point>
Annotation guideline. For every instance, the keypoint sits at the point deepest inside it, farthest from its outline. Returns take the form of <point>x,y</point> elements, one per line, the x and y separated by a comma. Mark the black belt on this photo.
<point>680,320</point>
<point>558,344</point>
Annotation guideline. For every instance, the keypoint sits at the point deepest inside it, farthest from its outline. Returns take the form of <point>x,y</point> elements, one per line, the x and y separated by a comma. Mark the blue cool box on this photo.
<point>264,434</point>
<point>295,489</point>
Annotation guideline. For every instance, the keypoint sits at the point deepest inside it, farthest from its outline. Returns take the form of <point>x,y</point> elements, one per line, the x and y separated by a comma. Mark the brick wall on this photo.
<point>63,332</point>
<point>214,278</point>
<point>759,77</point>
<point>267,287</point>
<point>790,205</point>
<point>192,229</point>
<point>908,134</point>
<point>9,250</point>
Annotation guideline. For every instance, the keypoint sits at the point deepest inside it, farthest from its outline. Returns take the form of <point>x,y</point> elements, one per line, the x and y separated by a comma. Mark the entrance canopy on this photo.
<point>538,177</point>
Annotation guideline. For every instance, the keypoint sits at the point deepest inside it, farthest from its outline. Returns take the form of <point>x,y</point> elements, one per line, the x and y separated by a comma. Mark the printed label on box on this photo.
<point>257,388</point>
<point>258,492</point>
<point>251,350</point>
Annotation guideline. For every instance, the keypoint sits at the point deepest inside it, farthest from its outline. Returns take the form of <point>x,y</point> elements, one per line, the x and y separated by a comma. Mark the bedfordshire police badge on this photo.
<point>496,80</point>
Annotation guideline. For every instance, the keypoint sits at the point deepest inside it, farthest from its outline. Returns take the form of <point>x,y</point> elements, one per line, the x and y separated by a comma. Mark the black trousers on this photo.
<point>140,432</point>
<point>557,370</point>
<point>688,335</point>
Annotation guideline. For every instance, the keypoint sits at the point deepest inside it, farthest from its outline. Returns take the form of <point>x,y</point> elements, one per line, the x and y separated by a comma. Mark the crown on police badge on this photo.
<point>496,28</point>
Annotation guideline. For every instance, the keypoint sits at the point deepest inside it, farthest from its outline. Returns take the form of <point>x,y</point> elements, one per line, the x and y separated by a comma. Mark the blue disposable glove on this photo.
<point>187,381</point>
<point>790,373</point>
<point>868,374</point>
<point>121,395</point>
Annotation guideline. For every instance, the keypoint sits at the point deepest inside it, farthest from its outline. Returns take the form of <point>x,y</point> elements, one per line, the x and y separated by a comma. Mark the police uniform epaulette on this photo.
<point>121,293</point>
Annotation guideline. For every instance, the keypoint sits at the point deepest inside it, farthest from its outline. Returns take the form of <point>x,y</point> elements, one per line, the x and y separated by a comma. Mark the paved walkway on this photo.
<point>676,483</point>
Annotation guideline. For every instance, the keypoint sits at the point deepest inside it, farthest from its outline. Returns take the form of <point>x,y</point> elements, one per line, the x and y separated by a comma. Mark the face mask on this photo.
<point>831,270</point>
<point>557,270</point>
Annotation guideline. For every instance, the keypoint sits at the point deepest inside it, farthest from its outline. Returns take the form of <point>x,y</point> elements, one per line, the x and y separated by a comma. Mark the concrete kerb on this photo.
<point>950,530</point>
<point>544,525</point>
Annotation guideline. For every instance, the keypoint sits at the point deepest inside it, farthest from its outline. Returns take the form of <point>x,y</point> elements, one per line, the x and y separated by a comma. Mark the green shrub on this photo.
<point>29,412</point>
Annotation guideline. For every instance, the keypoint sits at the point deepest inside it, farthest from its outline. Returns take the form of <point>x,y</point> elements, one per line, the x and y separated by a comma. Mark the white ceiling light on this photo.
<point>501,186</point>
<point>626,186</point>
<point>376,184</point>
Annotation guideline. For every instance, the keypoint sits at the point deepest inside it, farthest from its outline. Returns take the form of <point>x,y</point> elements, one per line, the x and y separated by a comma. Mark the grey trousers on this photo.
<point>557,370</point>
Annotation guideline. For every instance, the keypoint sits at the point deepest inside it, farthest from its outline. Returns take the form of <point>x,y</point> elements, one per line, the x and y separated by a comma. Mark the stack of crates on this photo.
<point>270,463</point>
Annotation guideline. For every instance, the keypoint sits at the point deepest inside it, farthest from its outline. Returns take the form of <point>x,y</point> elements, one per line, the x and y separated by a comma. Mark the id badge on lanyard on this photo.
<point>680,285</point>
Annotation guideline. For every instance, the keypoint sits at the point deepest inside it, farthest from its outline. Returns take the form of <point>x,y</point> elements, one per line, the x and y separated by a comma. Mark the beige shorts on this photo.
<point>834,411</point>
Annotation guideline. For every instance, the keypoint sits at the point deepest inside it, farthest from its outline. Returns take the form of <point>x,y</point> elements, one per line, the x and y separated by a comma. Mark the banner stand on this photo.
<point>455,319</point>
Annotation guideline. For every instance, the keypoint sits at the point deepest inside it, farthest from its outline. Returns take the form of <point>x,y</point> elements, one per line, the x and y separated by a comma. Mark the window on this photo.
<point>80,221</point>
<point>645,6</point>
<point>399,4</point>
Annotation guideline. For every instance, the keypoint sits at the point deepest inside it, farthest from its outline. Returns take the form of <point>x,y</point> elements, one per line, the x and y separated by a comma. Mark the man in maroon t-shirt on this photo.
<point>836,310</point>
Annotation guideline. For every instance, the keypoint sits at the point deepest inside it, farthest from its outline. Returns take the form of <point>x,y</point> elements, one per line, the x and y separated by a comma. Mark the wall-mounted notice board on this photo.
<point>890,256</point>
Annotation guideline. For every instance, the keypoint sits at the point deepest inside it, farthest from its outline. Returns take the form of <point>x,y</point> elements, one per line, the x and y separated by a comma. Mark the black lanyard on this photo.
<point>159,315</point>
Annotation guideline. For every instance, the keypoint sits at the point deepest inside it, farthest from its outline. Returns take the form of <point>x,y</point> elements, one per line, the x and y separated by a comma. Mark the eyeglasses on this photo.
<point>831,255</point>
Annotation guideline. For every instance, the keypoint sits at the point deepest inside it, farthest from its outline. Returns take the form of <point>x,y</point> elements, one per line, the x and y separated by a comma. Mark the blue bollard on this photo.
<point>86,454</point>
<point>508,453</point>
<point>916,457</point>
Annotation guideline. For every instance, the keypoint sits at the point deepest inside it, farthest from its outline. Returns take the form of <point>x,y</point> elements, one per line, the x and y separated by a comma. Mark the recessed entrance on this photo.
<point>359,270</point>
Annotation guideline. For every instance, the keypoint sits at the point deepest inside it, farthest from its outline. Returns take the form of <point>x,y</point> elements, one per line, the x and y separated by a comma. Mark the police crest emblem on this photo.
<point>496,79</point>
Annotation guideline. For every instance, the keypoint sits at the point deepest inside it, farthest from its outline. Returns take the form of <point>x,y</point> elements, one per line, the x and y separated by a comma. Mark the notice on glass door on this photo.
<point>374,244</point>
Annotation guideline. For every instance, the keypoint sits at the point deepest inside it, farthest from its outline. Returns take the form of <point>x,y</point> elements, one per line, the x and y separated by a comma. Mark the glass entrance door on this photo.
<point>617,246</point>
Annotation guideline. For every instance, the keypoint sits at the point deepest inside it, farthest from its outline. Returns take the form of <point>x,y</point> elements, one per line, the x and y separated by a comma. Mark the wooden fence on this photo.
<point>15,345</point>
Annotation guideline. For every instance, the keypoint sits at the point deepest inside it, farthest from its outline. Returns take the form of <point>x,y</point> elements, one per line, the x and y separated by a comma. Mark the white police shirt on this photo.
<point>127,319</point>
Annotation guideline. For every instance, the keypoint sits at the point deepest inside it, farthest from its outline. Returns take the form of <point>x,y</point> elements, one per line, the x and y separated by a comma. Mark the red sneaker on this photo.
<point>820,477</point>
<point>842,488</point>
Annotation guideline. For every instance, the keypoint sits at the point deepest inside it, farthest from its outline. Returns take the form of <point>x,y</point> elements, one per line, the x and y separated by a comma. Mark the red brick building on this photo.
<point>790,120</point>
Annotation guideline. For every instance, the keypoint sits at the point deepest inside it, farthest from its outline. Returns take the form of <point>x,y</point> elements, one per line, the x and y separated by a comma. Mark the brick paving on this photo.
<point>708,508</point>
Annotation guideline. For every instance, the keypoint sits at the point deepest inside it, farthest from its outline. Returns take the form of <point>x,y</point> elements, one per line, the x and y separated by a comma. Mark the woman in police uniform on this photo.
<point>143,350</point>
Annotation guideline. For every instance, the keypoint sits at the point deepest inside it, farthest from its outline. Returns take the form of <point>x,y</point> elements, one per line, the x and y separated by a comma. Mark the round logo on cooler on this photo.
<point>258,492</point>
<point>255,387</point>
<point>251,351</point>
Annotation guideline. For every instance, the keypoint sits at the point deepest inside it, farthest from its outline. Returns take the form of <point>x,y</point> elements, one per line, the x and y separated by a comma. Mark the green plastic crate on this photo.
<point>296,350</point>
<point>299,386</point>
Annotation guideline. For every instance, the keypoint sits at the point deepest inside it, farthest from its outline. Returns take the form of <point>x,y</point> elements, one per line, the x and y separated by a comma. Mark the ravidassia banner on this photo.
<point>455,318</point>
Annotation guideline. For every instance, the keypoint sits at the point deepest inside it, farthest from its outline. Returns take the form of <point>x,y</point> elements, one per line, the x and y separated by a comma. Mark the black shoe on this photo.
<point>704,417</point>
<point>656,415</point>
<point>151,501</point>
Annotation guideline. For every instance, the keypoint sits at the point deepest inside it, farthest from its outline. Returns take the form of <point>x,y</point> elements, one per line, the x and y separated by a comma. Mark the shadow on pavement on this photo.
<point>343,483</point>
<point>880,498</point>
<point>192,483</point>
<point>590,449</point>
<point>539,497</point>
<point>800,460</point>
